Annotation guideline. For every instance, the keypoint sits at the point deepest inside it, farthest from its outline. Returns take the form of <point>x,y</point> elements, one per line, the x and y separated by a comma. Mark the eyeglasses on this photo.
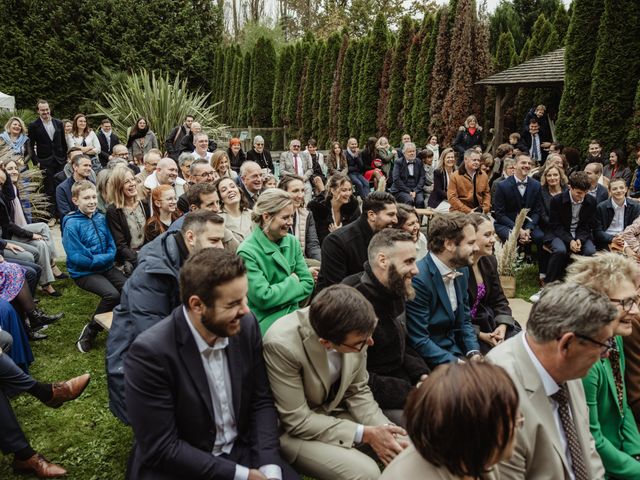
<point>606,347</point>
<point>121,155</point>
<point>359,347</point>
<point>627,303</point>
<point>205,174</point>
<point>295,146</point>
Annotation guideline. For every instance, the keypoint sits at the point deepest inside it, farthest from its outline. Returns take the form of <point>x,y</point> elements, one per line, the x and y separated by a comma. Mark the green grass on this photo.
<point>83,436</point>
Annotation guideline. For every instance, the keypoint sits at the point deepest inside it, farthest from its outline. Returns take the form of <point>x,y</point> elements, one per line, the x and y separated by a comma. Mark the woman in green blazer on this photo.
<point>279,278</point>
<point>610,419</point>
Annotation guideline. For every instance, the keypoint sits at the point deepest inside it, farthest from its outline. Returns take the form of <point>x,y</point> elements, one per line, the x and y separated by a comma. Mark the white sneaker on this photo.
<point>535,297</point>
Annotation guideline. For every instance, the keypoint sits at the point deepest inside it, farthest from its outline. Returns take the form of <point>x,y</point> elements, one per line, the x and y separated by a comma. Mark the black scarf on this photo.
<point>136,134</point>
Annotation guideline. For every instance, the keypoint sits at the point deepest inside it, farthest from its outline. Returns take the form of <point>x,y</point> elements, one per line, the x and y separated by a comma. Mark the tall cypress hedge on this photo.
<point>262,82</point>
<point>346,75</point>
<point>422,96</point>
<point>580,50</point>
<point>615,72</point>
<point>398,76</point>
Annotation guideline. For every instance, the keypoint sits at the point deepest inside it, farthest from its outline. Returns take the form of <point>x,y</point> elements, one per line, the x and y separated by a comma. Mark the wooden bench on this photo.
<point>104,319</point>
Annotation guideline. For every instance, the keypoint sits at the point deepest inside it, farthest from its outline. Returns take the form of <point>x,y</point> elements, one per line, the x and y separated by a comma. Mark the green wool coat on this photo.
<point>273,291</point>
<point>614,431</point>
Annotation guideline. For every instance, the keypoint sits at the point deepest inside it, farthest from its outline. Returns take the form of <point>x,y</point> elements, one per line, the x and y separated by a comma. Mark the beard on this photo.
<point>398,285</point>
<point>459,261</point>
<point>218,328</point>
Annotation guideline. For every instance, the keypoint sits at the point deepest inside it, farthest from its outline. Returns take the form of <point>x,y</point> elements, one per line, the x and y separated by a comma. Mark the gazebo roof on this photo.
<point>543,71</point>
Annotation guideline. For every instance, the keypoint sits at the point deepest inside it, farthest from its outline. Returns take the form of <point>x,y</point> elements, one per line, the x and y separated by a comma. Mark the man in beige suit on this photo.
<point>296,162</point>
<point>569,329</point>
<point>317,368</point>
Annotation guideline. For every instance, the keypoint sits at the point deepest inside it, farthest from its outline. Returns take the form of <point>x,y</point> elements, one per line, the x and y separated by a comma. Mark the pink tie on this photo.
<point>295,163</point>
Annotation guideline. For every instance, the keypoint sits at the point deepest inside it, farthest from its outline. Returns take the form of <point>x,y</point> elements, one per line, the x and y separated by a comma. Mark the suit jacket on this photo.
<point>169,403</point>
<point>602,193</point>
<point>508,202</point>
<point>308,406</point>
<point>344,252</point>
<point>605,213</point>
<point>409,464</point>
<point>460,191</point>
<point>48,153</point>
<point>401,176</point>
<point>614,430</point>
<point>287,166</point>
<point>538,454</point>
<point>560,218</point>
<point>105,148</point>
<point>437,333</point>
<point>525,145</point>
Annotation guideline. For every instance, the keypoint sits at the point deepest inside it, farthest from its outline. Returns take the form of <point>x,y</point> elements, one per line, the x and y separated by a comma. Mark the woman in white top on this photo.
<point>235,211</point>
<point>432,145</point>
<point>83,137</point>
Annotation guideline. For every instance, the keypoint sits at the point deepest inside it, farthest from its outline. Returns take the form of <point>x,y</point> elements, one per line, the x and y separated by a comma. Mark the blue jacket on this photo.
<point>88,243</point>
<point>435,332</point>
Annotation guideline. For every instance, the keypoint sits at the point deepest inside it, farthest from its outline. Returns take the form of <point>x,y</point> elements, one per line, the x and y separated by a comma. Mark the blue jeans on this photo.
<point>361,184</point>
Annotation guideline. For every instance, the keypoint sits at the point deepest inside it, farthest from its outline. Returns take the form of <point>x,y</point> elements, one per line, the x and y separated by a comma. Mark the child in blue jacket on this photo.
<point>90,256</point>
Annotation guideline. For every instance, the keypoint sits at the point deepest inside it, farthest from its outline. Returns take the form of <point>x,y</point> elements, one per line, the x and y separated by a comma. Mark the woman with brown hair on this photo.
<point>165,212</point>
<point>336,160</point>
<point>462,421</point>
<point>335,207</point>
<point>222,166</point>
<point>141,140</point>
<point>83,137</point>
<point>235,208</point>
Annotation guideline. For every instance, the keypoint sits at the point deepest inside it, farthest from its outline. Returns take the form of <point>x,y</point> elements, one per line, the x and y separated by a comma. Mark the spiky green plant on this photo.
<point>163,101</point>
<point>30,188</point>
<point>26,115</point>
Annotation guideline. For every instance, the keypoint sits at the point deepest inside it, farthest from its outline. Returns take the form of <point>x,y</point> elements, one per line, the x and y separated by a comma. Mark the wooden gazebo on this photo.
<point>545,71</point>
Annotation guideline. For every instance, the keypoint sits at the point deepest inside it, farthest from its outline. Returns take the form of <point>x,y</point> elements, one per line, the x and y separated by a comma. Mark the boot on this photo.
<point>38,318</point>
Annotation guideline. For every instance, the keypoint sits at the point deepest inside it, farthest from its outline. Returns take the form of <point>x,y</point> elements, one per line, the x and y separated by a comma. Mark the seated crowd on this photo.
<point>273,319</point>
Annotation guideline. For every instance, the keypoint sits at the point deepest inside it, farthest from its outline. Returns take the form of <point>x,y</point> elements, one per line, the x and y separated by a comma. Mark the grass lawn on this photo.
<point>83,436</point>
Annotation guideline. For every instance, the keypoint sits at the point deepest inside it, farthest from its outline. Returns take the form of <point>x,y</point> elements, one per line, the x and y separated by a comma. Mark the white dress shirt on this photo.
<point>522,186</point>
<point>575,215</point>
<point>449,285</point>
<point>334,359</point>
<point>551,387</point>
<point>617,223</point>
<point>216,369</point>
<point>48,126</point>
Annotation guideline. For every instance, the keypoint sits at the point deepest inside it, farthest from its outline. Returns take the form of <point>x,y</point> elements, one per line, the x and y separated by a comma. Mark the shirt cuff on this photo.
<point>359,434</point>
<point>242,473</point>
<point>471,353</point>
<point>271,471</point>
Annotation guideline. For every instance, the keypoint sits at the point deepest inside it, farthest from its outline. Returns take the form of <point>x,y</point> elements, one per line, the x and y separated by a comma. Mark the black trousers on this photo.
<point>12,382</point>
<point>107,286</point>
<point>49,182</point>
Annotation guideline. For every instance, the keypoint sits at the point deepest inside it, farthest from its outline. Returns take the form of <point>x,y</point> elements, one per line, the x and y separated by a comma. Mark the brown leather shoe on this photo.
<point>69,390</point>
<point>39,466</point>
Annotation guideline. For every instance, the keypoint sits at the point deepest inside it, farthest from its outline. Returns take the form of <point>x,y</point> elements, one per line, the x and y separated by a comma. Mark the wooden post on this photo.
<point>498,119</point>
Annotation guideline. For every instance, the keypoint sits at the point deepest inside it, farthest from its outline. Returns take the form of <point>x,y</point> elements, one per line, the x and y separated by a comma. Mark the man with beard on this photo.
<point>394,367</point>
<point>151,293</point>
<point>196,386</point>
<point>438,318</point>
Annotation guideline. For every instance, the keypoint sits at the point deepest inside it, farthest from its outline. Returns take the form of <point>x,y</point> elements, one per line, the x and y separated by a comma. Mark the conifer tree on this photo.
<point>420,110</point>
<point>398,77</point>
<point>294,89</point>
<point>441,76</point>
<point>633,137</point>
<point>561,23</point>
<point>458,101</point>
<point>309,81</point>
<point>334,104</point>
<point>282,67</point>
<point>317,87</point>
<point>410,86</point>
<point>356,74</point>
<point>506,55</point>
<point>244,103</point>
<point>370,80</point>
<point>344,111</point>
<point>382,115</point>
<point>615,72</point>
<point>326,80</point>
<point>580,50</point>
<point>262,82</point>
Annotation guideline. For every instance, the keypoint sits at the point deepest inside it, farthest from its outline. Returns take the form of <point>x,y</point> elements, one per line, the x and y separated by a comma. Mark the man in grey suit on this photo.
<point>569,329</point>
<point>295,162</point>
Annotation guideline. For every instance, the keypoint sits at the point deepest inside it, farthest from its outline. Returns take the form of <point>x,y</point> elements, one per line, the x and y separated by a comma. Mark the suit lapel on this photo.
<point>316,353</point>
<point>532,383</point>
<point>192,360</point>
<point>234,360</point>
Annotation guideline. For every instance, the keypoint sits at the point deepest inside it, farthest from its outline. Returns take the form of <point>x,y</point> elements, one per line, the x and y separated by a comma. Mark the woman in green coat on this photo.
<point>279,278</point>
<point>610,419</point>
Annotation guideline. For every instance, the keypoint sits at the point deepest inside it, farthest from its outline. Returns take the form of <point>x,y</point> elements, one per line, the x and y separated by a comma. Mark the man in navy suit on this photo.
<point>196,387</point>
<point>571,224</point>
<point>48,148</point>
<point>596,190</point>
<point>409,178</point>
<point>438,319</point>
<point>512,195</point>
<point>614,215</point>
<point>532,144</point>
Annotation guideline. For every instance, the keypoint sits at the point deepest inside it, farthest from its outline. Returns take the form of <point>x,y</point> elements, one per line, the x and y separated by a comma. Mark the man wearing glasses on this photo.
<point>569,329</point>
<point>316,361</point>
<point>200,171</point>
<point>294,162</point>
<point>261,155</point>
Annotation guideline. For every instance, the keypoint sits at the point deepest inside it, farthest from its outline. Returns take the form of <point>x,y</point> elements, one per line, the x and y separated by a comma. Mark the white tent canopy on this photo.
<point>7,101</point>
